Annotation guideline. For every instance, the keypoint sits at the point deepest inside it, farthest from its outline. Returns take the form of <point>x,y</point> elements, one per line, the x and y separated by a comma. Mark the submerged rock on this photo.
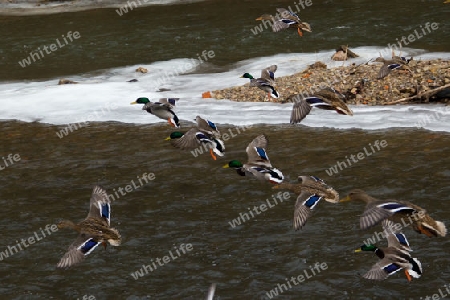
<point>142,70</point>
<point>66,81</point>
<point>343,53</point>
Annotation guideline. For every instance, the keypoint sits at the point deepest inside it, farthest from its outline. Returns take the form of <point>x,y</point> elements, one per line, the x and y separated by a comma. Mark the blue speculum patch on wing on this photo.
<point>313,100</point>
<point>312,201</point>
<point>402,239</point>
<point>88,246</point>
<point>316,178</point>
<point>262,153</point>
<point>171,101</point>
<point>396,207</point>
<point>262,170</point>
<point>202,137</point>
<point>271,75</point>
<point>393,66</point>
<point>106,211</point>
<point>211,124</point>
<point>293,14</point>
<point>392,268</point>
<point>287,21</point>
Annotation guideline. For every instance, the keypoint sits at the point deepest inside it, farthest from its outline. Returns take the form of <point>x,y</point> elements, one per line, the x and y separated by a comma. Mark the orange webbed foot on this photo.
<point>407,275</point>
<point>212,154</point>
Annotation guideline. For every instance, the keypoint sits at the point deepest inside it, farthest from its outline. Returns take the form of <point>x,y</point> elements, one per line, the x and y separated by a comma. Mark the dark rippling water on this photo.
<point>192,199</point>
<point>159,33</point>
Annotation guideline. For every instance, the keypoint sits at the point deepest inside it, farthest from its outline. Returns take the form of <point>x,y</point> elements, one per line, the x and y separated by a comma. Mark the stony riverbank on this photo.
<point>358,83</point>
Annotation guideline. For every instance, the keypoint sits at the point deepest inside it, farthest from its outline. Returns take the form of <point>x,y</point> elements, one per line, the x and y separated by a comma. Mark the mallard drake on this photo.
<point>393,258</point>
<point>194,138</point>
<point>310,191</point>
<point>396,62</point>
<point>93,231</point>
<point>327,98</point>
<point>258,164</point>
<point>401,211</point>
<point>266,82</point>
<point>285,19</point>
<point>162,109</point>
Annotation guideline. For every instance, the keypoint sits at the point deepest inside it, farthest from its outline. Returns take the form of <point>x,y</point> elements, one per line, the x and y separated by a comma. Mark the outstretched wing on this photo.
<point>382,269</point>
<point>100,204</point>
<point>395,238</point>
<point>304,205</point>
<point>287,14</point>
<point>207,126</point>
<point>319,103</point>
<point>190,140</point>
<point>386,69</point>
<point>300,110</point>
<point>79,249</point>
<point>376,212</point>
<point>256,151</point>
<point>269,73</point>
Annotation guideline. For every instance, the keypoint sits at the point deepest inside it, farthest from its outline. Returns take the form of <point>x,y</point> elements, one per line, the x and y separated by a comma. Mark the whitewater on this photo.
<point>105,95</point>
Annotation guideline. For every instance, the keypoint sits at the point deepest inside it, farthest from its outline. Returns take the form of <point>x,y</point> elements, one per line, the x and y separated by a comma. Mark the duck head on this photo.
<point>141,100</point>
<point>247,75</point>
<point>233,164</point>
<point>174,135</point>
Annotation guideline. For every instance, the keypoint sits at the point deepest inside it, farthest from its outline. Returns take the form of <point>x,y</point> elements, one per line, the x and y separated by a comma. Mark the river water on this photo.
<point>192,201</point>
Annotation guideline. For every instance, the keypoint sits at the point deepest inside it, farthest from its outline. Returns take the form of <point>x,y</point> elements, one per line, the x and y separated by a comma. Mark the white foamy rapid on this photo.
<point>39,7</point>
<point>107,97</point>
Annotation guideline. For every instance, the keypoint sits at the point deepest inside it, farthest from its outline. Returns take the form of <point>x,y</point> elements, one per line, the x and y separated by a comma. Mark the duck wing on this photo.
<point>191,139</point>
<point>287,14</point>
<point>315,185</point>
<point>300,110</point>
<point>395,238</point>
<point>304,205</point>
<point>100,206</point>
<point>207,126</point>
<point>79,249</point>
<point>162,110</point>
<point>386,69</point>
<point>170,102</point>
<point>269,73</point>
<point>382,269</point>
<point>256,152</point>
<point>262,173</point>
<point>377,211</point>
